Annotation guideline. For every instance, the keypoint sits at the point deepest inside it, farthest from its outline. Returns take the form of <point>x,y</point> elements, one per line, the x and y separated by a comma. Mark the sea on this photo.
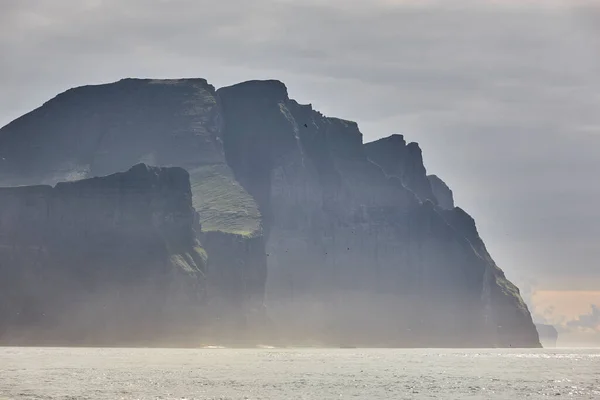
<point>302,373</point>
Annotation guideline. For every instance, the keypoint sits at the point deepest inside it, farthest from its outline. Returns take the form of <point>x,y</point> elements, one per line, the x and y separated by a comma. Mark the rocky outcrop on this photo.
<point>548,334</point>
<point>345,242</point>
<point>442,192</point>
<point>404,161</point>
<point>103,260</point>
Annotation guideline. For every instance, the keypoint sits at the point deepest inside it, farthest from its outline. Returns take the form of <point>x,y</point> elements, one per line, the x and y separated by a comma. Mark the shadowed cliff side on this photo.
<point>356,243</point>
<point>103,129</point>
<point>111,260</point>
<point>548,334</point>
<point>505,311</point>
<point>442,192</point>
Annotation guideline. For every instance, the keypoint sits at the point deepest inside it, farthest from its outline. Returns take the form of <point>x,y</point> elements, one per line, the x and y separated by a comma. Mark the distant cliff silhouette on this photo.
<point>298,231</point>
<point>548,334</point>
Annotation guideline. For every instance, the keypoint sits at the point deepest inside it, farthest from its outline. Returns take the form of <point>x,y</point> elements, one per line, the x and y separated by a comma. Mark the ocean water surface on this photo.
<point>276,374</point>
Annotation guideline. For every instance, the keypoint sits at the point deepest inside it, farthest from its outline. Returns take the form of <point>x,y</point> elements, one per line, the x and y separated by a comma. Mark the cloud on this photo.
<point>583,330</point>
<point>587,322</point>
<point>503,96</point>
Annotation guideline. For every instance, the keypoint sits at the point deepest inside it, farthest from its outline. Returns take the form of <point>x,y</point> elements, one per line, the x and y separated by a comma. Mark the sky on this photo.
<point>502,96</point>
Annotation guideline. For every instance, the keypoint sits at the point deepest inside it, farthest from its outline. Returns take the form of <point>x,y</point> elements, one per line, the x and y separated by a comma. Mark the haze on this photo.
<point>503,97</point>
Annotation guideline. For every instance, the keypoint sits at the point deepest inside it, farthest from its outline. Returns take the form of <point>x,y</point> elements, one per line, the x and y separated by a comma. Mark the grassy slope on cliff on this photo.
<point>222,202</point>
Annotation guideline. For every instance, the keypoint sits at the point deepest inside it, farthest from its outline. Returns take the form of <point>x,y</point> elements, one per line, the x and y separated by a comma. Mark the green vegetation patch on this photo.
<point>184,263</point>
<point>201,253</point>
<point>223,204</point>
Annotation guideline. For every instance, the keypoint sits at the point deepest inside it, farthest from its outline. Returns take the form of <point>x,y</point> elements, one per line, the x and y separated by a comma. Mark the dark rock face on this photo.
<point>403,161</point>
<point>98,130</point>
<point>348,243</point>
<point>548,334</point>
<point>103,260</point>
<point>357,244</point>
<point>442,192</point>
<point>236,286</point>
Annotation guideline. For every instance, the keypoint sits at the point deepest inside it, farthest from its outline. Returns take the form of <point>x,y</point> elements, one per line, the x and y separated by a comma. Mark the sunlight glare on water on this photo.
<point>223,374</point>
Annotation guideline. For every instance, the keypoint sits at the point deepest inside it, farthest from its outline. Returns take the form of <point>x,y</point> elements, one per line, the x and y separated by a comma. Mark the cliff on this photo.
<point>103,260</point>
<point>353,228</point>
<point>442,192</point>
<point>104,129</point>
<point>335,240</point>
<point>548,334</point>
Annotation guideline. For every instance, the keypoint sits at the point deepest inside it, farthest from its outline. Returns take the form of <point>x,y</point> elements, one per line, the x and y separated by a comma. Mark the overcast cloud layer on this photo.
<point>504,97</point>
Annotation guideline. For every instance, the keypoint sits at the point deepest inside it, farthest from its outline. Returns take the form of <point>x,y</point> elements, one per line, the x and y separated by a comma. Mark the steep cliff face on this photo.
<point>442,192</point>
<point>347,242</point>
<point>548,334</point>
<point>98,130</point>
<point>506,318</point>
<point>357,242</point>
<point>103,260</point>
<point>103,129</point>
<point>404,161</point>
